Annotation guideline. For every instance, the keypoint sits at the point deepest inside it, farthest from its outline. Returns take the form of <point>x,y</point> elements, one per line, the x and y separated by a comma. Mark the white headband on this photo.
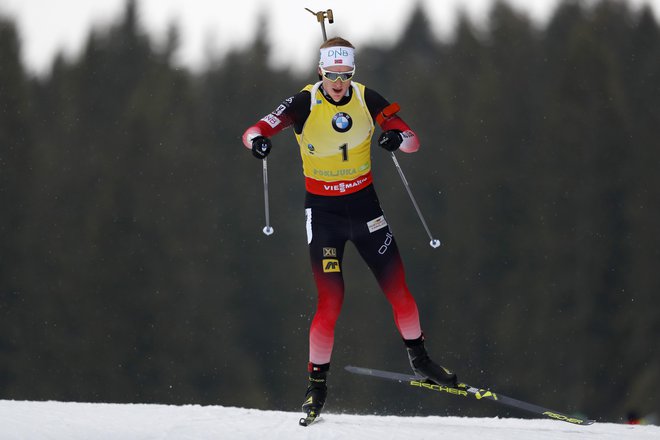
<point>337,56</point>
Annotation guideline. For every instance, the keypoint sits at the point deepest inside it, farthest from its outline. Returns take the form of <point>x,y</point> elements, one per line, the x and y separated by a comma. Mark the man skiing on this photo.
<point>333,121</point>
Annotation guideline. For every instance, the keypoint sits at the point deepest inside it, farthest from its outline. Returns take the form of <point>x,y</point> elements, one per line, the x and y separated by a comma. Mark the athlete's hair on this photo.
<point>337,41</point>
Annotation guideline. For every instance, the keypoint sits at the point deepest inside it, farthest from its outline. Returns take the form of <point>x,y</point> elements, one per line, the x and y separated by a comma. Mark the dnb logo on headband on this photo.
<point>342,122</point>
<point>337,56</point>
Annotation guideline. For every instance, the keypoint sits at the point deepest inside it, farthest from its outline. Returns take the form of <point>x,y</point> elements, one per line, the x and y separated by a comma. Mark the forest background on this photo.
<point>133,267</point>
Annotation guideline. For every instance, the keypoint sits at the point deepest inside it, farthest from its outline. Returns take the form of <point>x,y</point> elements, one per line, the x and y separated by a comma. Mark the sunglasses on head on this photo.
<point>334,76</point>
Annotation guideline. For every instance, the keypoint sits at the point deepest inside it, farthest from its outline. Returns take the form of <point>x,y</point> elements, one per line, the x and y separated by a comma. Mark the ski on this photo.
<point>464,390</point>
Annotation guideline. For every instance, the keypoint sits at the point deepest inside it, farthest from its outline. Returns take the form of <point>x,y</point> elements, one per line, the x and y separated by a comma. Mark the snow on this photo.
<point>24,420</point>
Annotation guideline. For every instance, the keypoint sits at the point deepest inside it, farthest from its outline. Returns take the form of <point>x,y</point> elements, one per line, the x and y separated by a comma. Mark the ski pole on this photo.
<point>268,229</point>
<point>320,17</point>
<point>434,243</point>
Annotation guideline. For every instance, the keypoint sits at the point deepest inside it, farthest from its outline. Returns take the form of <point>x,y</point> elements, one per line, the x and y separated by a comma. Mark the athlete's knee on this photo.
<point>330,304</point>
<point>400,297</point>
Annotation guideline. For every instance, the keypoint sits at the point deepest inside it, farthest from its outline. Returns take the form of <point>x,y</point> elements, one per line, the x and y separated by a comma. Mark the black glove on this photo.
<point>390,140</point>
<point>261,147</point>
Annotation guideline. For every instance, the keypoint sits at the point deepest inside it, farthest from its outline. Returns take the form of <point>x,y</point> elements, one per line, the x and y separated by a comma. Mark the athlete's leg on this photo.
<point>326,249</point>
<point>377,246</point>
<point>389,272</point>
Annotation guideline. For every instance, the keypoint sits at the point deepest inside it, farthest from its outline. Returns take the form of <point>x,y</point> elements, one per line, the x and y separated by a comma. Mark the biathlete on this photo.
<point>334,121</point>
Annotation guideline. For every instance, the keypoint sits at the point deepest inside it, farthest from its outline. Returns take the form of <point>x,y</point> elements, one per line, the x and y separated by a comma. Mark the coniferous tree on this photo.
<point>16,151</point>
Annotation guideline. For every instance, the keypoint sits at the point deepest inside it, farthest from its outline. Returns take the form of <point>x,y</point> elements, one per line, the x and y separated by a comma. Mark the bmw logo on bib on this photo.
<point>342,122</point>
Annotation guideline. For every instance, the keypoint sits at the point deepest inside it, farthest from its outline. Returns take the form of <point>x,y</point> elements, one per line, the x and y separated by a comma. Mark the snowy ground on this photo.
<point>85,421</point>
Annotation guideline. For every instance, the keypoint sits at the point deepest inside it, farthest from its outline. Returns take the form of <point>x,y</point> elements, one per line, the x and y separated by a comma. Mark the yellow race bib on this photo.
<point>335,142</point>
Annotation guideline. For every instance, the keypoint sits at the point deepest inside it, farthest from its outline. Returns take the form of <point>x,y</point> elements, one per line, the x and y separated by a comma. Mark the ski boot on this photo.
<point>316,393</point>
<point>422,365</point>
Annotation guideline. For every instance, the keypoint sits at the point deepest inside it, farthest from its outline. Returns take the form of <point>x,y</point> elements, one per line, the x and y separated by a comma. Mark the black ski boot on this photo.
<point>316,393</point>
<point>422,365</point>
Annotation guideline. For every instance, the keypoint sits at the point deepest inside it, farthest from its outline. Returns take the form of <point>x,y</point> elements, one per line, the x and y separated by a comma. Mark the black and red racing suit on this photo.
<point>341,204</point>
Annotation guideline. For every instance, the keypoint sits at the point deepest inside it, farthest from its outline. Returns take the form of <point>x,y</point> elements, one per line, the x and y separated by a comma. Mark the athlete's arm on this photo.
<point>292,111</point>
<point>385,115</point>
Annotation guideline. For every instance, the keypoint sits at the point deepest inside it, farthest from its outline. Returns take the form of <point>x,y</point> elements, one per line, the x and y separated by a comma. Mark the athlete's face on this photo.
<point>336,89</point>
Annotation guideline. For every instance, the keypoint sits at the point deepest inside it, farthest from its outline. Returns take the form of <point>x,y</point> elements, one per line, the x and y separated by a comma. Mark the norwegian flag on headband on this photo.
<point>339,61</point>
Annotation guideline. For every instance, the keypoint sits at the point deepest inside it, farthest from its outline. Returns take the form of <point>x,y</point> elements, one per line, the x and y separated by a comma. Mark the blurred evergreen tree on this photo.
<point>637,316</point>
<point>16,154</point>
